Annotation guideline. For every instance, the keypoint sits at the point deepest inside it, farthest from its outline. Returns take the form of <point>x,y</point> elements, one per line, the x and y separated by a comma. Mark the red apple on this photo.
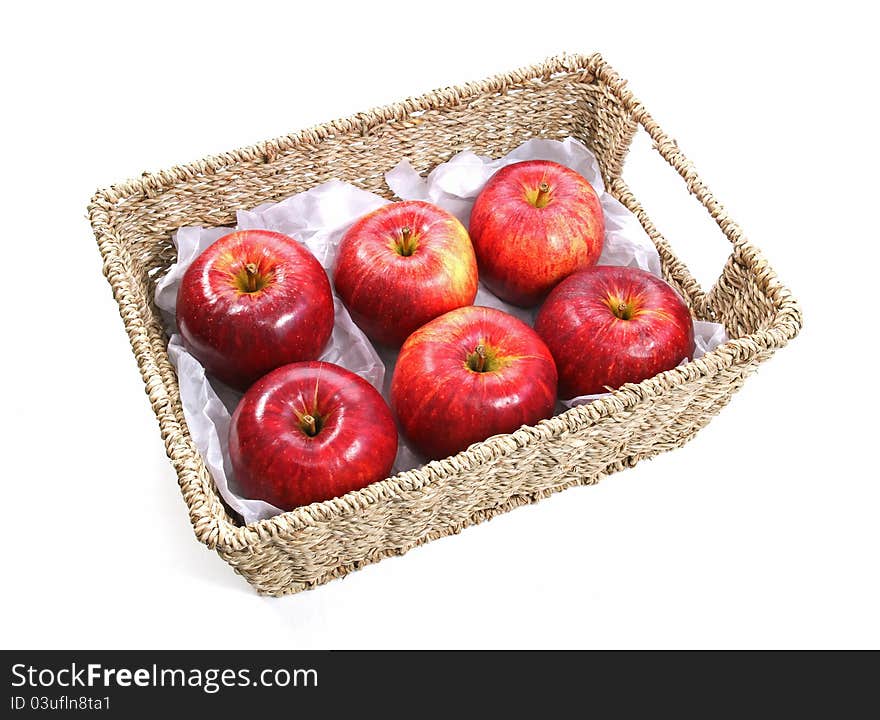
<point>533,224</point>
<point>308,432</point>
<point>402,265</point>
<point>471,373</point>
<point>607,326</point>
<point>251,302</point>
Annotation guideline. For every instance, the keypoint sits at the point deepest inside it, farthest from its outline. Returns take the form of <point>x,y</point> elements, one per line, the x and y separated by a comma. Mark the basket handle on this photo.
<point>788,318</point>
<point>668,149</point>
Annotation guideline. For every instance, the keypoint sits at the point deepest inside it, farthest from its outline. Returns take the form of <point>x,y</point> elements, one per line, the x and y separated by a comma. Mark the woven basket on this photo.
<point>577,96</point>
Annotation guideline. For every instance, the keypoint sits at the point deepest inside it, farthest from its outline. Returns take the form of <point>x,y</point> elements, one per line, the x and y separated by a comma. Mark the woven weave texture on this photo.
<point>573,95</point>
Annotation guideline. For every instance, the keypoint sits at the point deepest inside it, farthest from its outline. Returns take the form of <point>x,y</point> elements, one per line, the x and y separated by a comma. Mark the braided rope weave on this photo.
<point>572,95</point>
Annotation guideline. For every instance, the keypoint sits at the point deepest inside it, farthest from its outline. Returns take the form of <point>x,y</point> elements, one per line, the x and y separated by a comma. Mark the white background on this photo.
<point>762,532</point>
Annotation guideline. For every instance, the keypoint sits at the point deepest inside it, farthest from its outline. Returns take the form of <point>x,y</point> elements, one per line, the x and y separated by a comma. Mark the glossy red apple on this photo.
<point>251,302</point>
<point>402,265</point>
<point>469,374</point>
<point>607,326</point>
<point>308,432</point>
<point>533,224</point>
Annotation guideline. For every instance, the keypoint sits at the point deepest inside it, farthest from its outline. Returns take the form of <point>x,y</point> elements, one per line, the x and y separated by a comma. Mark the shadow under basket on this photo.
<point>572,95</point>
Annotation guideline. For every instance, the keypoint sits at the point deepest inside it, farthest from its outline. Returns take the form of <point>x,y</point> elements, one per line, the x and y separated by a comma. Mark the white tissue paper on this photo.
<point>318,218</point>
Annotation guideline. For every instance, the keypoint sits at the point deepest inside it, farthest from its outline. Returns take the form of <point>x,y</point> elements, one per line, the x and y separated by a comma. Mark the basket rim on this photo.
<point>148,184</point>
<point>215,528</point>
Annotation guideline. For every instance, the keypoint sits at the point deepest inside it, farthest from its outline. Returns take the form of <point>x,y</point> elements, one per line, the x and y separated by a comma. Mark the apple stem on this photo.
<point>623,311</point>
<point>479,358</point>
<point>309,425</point>
<point>406,248</point>
<point>251,270</point>
<point>542,197</point>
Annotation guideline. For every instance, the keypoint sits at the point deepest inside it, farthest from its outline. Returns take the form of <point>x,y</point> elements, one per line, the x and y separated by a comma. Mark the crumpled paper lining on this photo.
<point>318,218</point>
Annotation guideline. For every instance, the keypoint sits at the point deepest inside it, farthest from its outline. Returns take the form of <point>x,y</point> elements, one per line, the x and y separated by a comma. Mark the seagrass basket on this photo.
<point>573,95</point>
